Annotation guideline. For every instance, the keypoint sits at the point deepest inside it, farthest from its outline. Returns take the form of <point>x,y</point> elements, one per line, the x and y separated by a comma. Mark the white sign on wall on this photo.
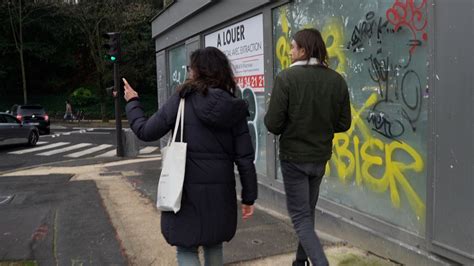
<point>243,45</point>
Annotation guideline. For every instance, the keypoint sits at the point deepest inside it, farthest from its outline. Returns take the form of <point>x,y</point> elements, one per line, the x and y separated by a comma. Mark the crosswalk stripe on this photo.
<point>88,151</point>
<point>110,153</point>
<point>73,147</point>
<point>148,149</point>
<point>41,142</point>
<point>50,146</point>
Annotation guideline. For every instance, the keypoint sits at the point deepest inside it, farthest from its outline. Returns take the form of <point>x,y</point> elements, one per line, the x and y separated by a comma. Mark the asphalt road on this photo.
<point>48,219</point>
<point>52,221</point>
<point>66,145</point>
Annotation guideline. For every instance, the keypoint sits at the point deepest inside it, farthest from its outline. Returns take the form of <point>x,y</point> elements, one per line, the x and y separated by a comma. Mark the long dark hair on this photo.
<point>212,69</point>
<point>313,44</point>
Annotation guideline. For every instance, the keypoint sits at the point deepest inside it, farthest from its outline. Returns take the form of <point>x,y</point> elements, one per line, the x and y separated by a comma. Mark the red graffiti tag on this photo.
<point>40,232</point>
<point>407,14</point>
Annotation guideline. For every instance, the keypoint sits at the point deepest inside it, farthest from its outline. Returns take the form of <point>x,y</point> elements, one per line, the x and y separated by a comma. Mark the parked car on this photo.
<point>34,115</point>
<point>13,131</point>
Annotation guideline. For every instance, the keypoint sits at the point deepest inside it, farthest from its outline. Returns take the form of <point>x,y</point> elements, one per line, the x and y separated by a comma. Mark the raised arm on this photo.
<point>155,127</point>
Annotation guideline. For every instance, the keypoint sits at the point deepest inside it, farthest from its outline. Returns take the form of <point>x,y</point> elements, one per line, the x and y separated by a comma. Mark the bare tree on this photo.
<point>21,14</point>
<point>94,18</point>
<point>15,10</point>
<point>97,17</point>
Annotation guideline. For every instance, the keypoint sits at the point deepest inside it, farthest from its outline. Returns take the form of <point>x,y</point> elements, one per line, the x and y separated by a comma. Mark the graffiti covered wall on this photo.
<point>380,47</point>
<point>176,68</point>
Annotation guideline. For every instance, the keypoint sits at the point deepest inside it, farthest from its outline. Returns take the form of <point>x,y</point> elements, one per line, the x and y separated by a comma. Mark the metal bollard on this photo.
<point>131,146</point>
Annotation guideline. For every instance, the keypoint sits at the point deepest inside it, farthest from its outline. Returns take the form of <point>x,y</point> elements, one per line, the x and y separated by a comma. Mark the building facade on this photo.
<point>399,182</point>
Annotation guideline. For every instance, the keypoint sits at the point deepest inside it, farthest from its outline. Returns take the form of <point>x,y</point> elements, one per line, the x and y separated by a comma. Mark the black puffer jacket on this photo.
<point>216,131</point>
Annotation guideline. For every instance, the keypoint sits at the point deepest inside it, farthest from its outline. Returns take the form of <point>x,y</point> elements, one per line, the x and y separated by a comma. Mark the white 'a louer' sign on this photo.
<point>243,44</point>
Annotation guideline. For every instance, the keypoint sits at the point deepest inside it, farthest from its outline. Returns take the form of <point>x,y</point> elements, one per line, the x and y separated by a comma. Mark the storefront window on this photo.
<point>177,67</point>
<point>380,47</point>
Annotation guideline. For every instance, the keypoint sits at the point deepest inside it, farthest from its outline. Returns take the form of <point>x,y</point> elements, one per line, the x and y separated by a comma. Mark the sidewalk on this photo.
<point>128,190</point>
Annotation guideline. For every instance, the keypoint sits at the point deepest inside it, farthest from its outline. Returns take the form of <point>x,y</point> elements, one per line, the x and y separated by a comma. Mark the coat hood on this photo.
<point>218,108</point>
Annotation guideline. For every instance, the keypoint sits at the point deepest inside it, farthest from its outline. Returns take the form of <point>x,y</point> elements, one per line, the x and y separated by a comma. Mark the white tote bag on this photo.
<point>170,186</point>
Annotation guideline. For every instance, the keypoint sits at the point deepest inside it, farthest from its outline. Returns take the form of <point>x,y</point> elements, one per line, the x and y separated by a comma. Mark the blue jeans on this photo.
<point>213,256</point>
<point>302,181</point>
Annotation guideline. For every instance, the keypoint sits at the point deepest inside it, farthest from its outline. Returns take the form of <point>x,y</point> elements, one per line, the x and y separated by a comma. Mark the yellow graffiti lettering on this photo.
<point>284,21</point>
<point>373,162</point>
<point>333,35</point>
<point>394,196</point>
<point>378,184</point>
<point>397,170</point>
<point>328,169</point>
<point>357,161</point>
<point>357,120</point>
<point>282,52</point>
<point>283,45</point>
<point>345,168</point>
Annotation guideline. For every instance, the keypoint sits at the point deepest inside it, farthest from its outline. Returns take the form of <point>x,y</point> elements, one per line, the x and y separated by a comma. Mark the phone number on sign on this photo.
<point>256,81</point>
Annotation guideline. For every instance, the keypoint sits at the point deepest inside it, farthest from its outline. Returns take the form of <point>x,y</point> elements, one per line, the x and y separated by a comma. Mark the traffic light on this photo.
<point>112,46</point>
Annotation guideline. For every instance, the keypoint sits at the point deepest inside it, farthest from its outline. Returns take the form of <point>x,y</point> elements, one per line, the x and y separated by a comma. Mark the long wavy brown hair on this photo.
<point>211,69</point>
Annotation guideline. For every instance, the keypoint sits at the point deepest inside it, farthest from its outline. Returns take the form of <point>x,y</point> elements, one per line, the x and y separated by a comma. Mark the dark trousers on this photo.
<point>302,181</point>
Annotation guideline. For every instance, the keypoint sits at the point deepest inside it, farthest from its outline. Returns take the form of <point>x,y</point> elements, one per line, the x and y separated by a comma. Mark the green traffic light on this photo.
<point>113,58</point>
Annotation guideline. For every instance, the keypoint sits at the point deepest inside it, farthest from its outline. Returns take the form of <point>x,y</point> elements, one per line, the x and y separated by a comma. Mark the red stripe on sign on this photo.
<point>254,81</point>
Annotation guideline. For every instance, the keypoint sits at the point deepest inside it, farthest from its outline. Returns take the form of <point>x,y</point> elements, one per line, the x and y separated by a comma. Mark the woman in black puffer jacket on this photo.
<point>217,136</point>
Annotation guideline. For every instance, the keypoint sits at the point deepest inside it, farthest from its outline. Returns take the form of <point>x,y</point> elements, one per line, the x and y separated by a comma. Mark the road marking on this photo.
<point>101,128</point>
<point>157,156</point>
<point>148,149</point>
<point>50,146</point>
<point>41,142</point>
<point>89,151</point>
<point>97,133</point>
<point>68,133</point>
<point>110,153</point>
<point>5,199</point>
<point>73,147</point>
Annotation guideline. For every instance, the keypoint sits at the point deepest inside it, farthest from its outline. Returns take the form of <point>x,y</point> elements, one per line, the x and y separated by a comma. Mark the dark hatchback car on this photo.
<point>12,131</point>
<point>33,115</point>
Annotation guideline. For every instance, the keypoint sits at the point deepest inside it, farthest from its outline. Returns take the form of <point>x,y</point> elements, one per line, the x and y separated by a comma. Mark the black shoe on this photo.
<point>300,263</point>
